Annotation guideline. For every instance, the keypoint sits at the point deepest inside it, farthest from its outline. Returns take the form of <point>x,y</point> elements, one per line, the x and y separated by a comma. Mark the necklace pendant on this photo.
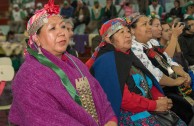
<point>84,91</point>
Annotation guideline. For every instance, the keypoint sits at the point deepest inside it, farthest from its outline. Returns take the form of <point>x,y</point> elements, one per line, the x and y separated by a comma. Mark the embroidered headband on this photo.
<point>41,17</point>
<point>132,18</point>
<point>112,26</point>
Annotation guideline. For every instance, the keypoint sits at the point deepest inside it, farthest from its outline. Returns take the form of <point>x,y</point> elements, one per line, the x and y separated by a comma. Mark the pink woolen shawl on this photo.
<point>40,99</point>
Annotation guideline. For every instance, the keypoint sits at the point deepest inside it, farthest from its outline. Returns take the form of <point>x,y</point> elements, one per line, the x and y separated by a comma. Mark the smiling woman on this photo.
<point>53,87</point>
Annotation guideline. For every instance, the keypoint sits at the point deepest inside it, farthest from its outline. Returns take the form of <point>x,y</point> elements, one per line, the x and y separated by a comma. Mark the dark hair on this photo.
<point>134,21</point>
<point>152,20</point>
<point>10,33</point>
<point>134,24</point>
<point>163,22</point>
<point>39,30</point>
<point>178,1</point>
<point>187,19</point>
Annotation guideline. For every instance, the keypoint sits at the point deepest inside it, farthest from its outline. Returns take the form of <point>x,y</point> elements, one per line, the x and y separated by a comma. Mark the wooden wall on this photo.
<point>4,7</point>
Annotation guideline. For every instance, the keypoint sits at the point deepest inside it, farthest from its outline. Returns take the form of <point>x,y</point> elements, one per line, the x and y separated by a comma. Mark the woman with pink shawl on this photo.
<point>52,87</point>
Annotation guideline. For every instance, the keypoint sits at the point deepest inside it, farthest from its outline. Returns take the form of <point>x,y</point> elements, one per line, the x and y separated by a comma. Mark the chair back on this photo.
<point>6,72</point>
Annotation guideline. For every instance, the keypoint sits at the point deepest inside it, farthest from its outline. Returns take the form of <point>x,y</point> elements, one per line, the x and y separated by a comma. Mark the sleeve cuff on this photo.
<point>152,105</point>
<point>114,119</point>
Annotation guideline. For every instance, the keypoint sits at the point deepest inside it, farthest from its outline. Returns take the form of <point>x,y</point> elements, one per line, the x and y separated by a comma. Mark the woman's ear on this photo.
<point>36,40</point>
<point>107,39</point>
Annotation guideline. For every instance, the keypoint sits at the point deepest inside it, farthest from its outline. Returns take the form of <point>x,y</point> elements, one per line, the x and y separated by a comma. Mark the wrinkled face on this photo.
<point>69,29</point>
<point>142,31</point>
<point>166,32</point>
<point>53,36</point>
<point>121,40</point>
<point>156,29</point>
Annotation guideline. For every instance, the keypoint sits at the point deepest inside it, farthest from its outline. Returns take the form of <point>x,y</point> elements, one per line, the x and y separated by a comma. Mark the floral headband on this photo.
<point>41,17</point>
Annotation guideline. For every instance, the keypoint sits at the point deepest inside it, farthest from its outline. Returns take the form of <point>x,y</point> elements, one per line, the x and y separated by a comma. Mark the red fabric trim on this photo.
<point>114,119</point>
<point>128,52</point>
<point>135,103</point>
<point>2,86</point>
<point>156,93</point>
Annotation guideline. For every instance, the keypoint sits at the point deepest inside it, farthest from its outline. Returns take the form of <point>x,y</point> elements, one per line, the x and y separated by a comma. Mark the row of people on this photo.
<point>53,87</point>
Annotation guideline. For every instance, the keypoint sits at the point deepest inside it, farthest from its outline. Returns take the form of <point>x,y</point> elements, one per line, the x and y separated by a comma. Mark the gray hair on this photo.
<point>69,21</point>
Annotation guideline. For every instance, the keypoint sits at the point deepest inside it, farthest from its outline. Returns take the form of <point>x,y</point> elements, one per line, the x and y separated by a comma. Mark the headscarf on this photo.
<point>107,30</point>
<point>40,18</point>
<point>132,18</point>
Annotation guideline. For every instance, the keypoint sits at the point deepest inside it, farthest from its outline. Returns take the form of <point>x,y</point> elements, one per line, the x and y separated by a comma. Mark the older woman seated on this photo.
<point>132,90</point>
<point>52,87</point>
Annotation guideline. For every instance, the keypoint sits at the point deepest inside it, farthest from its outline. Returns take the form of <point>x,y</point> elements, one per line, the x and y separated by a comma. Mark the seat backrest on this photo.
<point>5,61</point>
<point>6,69</point>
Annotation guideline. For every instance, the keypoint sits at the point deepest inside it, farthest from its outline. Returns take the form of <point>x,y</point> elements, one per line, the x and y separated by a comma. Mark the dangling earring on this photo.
<point>39,50</point>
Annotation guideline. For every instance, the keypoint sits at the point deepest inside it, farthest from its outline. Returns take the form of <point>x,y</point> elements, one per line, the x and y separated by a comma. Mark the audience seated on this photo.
<point>154,9</point>
<point>160,64</point>
<point>109,11</point>
<point>96,17</point>
<point>169,37</point>
<point>132,90</point>
<point>81,17</point>
<point>67,10</point>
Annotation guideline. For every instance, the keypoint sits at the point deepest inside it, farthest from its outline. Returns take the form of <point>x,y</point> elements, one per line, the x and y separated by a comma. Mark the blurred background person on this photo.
<point>109,11</point>
<point>127,7</point>
<point>69,25</point>
<point>177,10</point>
<point>189,9</point>
<point>81,17</point>
<point>154,9</point>
<point>11,37</point>
<point>67,10</point>
<point>38,6</point>
<point>186,40</point>
<point>96,13</point>
<point>17,19</point>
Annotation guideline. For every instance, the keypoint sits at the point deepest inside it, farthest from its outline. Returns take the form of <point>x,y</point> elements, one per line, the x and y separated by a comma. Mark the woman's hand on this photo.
<point>188,79</point>
<point>177,30</point>
<point>163,104</point>
<point>179,81</point>
<point>111,123</point>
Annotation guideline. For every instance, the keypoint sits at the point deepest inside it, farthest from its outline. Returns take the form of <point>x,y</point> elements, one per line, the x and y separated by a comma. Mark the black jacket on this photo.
<point>186,42</point>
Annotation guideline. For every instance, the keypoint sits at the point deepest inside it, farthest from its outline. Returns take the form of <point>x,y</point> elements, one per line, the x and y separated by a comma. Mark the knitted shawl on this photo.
<point>40,99</point>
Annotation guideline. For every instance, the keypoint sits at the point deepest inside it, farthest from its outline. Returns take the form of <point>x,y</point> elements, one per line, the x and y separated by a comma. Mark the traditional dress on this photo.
<point>130,87</point>
<point>40,98</point>
<point>139,50</point>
